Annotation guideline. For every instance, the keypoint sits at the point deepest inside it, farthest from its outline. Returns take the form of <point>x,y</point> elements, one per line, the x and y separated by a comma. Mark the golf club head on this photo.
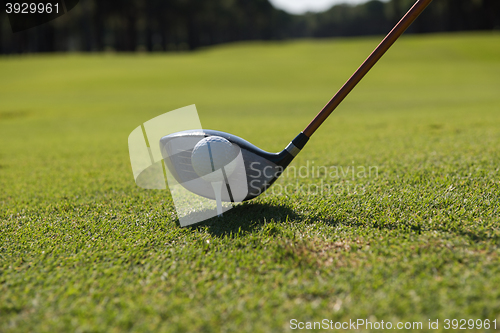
<point>256,170</point>
<point>229,169</point>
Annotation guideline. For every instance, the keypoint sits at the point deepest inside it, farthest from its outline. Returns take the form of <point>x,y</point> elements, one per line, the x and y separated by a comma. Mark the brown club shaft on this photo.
<point>395,33</point>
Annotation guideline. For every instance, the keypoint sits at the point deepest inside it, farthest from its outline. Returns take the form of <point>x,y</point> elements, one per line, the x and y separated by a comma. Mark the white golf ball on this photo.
<point>210,155</point>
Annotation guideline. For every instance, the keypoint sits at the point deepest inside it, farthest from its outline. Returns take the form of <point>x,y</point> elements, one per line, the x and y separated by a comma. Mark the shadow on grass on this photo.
<point>247,217</point>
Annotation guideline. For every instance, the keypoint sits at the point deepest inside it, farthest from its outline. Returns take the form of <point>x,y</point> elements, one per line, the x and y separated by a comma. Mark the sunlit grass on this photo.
<point>82,248</point>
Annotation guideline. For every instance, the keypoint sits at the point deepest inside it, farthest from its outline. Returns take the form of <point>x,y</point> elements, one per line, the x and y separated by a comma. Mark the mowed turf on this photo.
<point>413,234</point>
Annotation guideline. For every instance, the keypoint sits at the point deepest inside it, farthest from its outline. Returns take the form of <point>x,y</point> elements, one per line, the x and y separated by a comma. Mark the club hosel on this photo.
<point>297,144</point>
<point>293,149</point>
<point>300,140</point>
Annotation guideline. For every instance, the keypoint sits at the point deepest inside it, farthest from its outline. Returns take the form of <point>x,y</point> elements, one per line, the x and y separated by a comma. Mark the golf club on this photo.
<point>259,168</point>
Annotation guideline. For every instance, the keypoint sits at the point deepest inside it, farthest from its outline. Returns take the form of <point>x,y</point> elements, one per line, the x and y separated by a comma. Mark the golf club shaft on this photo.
<point>397,31</point>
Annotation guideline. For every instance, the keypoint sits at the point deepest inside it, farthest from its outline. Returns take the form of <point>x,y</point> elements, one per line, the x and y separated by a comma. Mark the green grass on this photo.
<point>83,249</point>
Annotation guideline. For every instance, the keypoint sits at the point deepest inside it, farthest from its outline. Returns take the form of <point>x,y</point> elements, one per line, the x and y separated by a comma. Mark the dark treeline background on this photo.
<point>175,25</point>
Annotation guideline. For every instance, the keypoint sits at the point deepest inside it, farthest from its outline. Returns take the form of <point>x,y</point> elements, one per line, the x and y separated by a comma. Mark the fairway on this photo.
<point>391,212</point>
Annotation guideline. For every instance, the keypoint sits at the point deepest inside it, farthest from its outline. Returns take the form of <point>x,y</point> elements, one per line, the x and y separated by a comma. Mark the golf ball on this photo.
<point>210,155</point>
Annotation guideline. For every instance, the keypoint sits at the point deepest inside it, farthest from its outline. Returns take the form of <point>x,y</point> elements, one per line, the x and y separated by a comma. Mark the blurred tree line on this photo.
<point>174,25</point>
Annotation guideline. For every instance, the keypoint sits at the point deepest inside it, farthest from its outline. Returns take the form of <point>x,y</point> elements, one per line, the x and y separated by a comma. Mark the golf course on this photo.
<point>390,213</point>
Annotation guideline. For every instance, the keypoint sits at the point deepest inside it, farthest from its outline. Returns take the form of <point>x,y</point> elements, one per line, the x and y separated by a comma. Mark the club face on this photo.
<point>255,168</point>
